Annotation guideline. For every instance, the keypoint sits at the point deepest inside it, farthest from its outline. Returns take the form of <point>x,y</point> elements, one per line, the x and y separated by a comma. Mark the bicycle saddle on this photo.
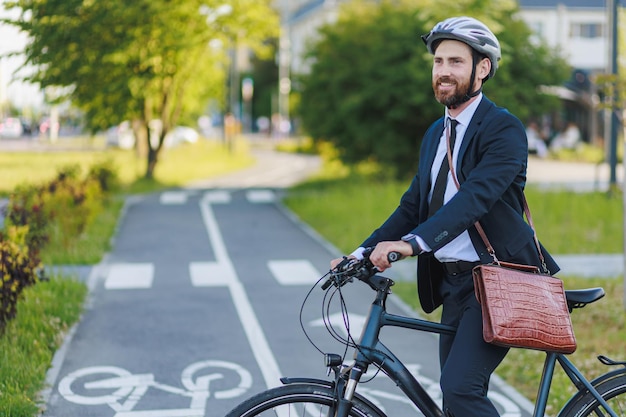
<point>580,298</point>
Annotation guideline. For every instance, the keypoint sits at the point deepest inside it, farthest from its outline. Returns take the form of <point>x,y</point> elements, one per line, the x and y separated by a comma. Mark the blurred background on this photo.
<point>150,75</point>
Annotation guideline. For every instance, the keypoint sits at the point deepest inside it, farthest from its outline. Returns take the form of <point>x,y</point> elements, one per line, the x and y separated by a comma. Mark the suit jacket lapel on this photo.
<point>484,107</point>
<point>432,152</point>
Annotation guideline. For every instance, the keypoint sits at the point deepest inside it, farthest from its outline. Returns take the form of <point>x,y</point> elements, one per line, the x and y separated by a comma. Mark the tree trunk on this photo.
<point>153,157</point>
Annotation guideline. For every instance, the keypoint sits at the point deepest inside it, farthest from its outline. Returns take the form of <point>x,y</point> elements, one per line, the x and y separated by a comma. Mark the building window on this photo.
<point>587,30</point>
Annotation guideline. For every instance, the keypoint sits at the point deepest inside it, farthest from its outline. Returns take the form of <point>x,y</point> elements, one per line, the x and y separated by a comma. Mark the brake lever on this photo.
<point>349,268</point>
<point>343,272</point>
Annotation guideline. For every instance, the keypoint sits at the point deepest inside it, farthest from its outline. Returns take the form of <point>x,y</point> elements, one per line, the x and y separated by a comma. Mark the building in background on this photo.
<point>581,30</point>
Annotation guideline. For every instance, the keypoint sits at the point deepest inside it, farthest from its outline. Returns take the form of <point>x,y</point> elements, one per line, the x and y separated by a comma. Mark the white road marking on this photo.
<point>294,272</point>
<point>184,412</point>
<point>123,391</point>
<point>173,197</point>
<point>260,196</point>
<point>254,332</point>
<point>217,196</point>
<point>210,274</point>
<point>126,276</point>
<point>338,322</point>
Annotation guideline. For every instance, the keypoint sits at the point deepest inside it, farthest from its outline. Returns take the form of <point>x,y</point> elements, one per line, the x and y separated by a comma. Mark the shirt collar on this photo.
<point>465,117</point>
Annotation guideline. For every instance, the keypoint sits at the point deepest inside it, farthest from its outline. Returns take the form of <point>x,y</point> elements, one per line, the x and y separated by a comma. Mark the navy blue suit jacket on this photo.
<point>491,170</point>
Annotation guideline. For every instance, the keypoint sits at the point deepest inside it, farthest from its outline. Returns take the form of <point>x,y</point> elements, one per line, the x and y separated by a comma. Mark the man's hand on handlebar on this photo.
<point>380,256</point>
<point>335,262</point>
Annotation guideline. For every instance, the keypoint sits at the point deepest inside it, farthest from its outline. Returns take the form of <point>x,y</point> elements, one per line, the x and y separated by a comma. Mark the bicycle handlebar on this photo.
<point>361,269</point>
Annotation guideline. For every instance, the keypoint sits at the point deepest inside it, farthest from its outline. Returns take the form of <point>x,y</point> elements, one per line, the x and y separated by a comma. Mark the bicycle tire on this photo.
<point>298,400</point>
<point>612,390</point>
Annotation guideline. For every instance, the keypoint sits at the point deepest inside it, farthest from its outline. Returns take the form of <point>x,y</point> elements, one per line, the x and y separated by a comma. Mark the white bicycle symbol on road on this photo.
<point>128,388</point>
<point>121,390</point>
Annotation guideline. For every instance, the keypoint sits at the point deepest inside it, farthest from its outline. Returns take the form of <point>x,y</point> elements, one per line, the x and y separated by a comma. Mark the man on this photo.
<point>489,154</point>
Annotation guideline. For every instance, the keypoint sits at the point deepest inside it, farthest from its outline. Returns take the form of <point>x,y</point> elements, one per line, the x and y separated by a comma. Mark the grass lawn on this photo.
<point>176,166</point>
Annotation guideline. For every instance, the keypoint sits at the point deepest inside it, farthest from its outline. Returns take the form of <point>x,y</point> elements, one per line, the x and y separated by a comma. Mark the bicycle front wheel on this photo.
<point>612,390</point>
<point>299,400</point>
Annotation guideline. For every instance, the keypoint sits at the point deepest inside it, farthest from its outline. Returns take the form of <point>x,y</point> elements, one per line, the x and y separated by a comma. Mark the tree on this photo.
<point>265,75</point>
<point>143,60</point>
<point>369,88</point>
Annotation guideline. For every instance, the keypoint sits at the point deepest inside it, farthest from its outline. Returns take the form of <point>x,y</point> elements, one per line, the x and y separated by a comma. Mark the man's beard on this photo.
<point>451,100</point>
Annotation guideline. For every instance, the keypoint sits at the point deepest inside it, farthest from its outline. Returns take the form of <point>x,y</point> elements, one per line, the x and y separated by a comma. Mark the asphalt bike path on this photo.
<point>197,308</point>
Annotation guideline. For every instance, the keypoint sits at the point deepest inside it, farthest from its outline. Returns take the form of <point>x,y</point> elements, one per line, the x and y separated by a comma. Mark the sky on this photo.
<point>20,94</point>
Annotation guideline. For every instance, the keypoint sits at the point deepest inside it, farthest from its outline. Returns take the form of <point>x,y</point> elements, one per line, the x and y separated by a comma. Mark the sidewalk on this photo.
<point>577,176</point>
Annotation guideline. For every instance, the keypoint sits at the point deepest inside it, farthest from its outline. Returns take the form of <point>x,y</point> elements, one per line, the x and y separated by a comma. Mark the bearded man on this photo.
<point>436,218</point>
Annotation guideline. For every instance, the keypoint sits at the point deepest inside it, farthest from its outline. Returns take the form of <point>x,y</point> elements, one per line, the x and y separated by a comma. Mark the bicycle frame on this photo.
<point>574,375</point>
<point>371,350</point>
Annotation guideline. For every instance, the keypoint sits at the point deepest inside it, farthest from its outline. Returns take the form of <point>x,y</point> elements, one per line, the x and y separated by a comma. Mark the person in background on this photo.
<point>536,144</point>
<point>567,139</point>
<point>435,221</point>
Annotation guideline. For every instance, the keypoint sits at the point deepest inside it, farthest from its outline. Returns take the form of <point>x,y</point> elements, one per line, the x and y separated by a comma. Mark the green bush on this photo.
<point>18,270</point>
<point>105,173</point>
<point>26,208</point>
<point>56,213</point>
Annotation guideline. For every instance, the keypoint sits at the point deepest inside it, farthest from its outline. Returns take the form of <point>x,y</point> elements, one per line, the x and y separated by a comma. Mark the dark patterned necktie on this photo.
<point>442,177</point>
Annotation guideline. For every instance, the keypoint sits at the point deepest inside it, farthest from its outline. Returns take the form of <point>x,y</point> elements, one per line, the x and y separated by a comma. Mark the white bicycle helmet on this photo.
<point>467,30</point>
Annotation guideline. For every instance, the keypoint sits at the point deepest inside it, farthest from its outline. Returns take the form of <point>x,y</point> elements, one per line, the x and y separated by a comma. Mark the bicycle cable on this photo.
<point>306,298</point>
<point>327,303</point>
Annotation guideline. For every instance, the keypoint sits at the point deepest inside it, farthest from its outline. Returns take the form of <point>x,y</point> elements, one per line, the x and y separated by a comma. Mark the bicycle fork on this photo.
<point>344,402</point>
<point>345,386</point>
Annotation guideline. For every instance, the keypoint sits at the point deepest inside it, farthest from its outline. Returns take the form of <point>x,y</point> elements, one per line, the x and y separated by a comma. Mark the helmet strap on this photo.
<point>468,96</point>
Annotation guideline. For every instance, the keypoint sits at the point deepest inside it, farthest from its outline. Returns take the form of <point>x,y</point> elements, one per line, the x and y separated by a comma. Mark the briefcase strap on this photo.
<point>480,229</point>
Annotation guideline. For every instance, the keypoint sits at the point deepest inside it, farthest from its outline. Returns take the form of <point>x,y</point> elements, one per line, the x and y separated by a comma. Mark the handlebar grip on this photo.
<point>394,256</point>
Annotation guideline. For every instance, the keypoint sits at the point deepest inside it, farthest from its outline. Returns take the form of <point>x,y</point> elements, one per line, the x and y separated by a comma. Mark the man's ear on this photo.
<point>484,67</point>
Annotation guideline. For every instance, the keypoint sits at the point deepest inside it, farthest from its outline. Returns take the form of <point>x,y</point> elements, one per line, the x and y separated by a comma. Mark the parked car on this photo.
<point>181,134</point>
<point>121,136</point>
<point>11,127</point>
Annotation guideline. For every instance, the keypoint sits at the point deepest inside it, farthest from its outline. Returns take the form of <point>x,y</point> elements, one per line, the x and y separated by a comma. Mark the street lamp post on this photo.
<point>284,81</point>
<point>614,14</point>
<point>247,91</point>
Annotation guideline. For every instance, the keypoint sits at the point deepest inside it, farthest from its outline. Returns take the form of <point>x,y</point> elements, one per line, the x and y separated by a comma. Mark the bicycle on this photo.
<point>605,395</point>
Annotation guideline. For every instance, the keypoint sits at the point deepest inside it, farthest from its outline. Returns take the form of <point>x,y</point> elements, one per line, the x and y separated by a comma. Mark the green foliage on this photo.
<point>526,66</point>
<point>106,174</point>
<point>27,208</point>
<point>45,314</point>
<point>365,92</point>
<point>141,60</point>
<point>369,89</point>
<point>55,213</point>
<point>18,270</point>
<point>265,76</point>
